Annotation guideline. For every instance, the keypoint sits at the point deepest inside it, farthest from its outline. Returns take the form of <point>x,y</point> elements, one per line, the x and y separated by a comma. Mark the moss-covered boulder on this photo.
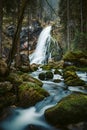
<point>78,58</point>
<point>3,68</point>
<point>72,79</point>
<point>46,75</point>
<point>7,100</point>
<point>49,75</point>
<point>30,93</point>
<point>47,67</point>
<point>25,68</point>
<point>71,68</point>
<point>15,78</point>
<point>42,76</point>
<point>71,109</point>
<point>5,87</point>
<point>27,77</point>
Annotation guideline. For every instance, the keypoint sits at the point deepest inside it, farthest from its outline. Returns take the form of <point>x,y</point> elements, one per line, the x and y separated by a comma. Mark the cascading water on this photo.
<point>33,118</point>
<point>41,54</point>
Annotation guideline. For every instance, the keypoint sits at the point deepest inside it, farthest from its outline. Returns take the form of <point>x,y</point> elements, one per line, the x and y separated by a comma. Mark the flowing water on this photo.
<point>41,54</point>
<point>33,118</point>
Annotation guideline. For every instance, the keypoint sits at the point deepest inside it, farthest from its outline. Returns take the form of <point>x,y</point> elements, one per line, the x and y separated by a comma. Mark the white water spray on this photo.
<point>41,53</point>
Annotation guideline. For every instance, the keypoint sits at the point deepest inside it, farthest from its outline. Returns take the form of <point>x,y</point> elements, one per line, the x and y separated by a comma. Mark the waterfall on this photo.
<point>41,54</point>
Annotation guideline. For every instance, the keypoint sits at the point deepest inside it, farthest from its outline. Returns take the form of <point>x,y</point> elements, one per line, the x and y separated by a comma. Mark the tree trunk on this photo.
<point>81,16</point>
<point>68,31</point>
<point>1,19</point>
<point>15,43</point>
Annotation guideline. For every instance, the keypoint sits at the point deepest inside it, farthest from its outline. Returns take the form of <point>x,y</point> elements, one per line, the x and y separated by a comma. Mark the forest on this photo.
<point>43,65</point>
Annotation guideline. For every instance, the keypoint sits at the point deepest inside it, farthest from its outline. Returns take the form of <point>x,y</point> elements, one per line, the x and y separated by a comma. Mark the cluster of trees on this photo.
<point>16,10</point>
<point>73,17</point>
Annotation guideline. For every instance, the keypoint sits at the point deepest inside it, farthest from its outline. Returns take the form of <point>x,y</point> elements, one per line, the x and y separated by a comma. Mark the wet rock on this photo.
<point>46,75</point>
<point>71,109</point>
<point>30,93</point>
<point>49,75</point>
<point>42,76</point>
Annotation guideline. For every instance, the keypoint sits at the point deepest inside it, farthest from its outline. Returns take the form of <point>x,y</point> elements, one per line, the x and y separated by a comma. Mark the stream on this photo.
<point>33,118</point>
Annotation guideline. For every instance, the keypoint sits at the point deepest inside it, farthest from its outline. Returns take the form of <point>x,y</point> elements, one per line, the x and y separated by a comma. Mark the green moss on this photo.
<point>79,58</point>
<point>71,79</point>
<point>71,68</point>
<point>15,78</point>
<point>25,69</point>
<point>30,93</point>
<point>82,69</point>
<point>71,109</point>
<point>47,67</point>
<point>5,87</point>
<point>27,77</point>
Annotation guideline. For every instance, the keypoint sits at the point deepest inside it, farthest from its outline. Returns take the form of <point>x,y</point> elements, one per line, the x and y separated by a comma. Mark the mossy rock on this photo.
<point>41,76</point>
<point>71,68</point>
<point>25,68</point>
<point>57,72</point>
<point>72,79</point>
<point>34,67</point>
<point>75,82</point>
<point>15,78</point>
<point>71,109</point>
<point>79,58</point>
<point>7,100</point>
<point>30,93</point>
<point>57,80</point>
<point>5,87</point>
<point>47,67</point>
<point>49,75</point>
<point>67,74</point>
<point>27,77</point>
<point>4,71</point>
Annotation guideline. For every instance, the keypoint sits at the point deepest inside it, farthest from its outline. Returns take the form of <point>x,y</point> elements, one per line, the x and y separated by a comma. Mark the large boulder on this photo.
<point>30,93</point>
<point>27,77</point>
<point>15,78</point>
<point>49,75</point>
<point>72,79</point>
<point>71,109</point>
<point>46,75</point>
<point>7,100</point>
<point>78,58</point>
